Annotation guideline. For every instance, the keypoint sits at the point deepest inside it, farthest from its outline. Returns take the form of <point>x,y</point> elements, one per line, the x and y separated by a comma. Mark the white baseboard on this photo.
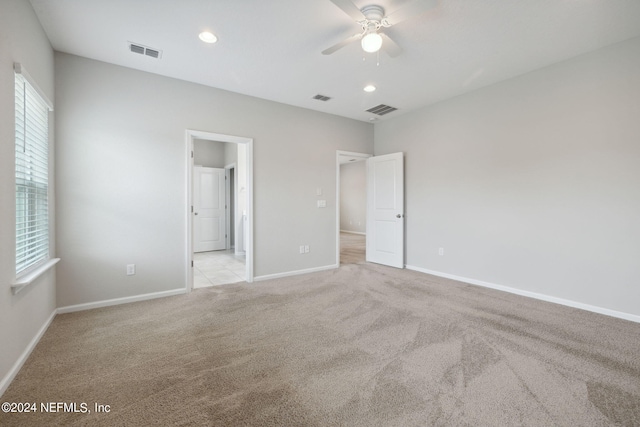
<point>294,273</point>
<point>117,301</point>
<point>353,232</point>
<point>4,383</point>
<point>543,297</point>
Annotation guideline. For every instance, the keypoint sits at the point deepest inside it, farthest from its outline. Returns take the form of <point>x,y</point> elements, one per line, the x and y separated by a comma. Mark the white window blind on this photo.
<point>32,174</point>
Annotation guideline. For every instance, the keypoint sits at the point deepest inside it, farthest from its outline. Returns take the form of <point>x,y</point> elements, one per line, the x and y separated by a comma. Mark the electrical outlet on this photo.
<point>131,269</point>
<point>306,249</point>
<point>322,203</point>
<point>441,251</point>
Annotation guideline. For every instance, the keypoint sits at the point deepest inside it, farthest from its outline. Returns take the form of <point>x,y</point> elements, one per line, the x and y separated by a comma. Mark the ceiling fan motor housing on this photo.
<point>373,17</point>
<point>373,12</point>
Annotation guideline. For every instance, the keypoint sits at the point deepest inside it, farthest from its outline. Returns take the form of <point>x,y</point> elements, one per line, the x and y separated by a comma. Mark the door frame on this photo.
<point>227,174</point>
<point>190,135</point>
<point>340,153</point>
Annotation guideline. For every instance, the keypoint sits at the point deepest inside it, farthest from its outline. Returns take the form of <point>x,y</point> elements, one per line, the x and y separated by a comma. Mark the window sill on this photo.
<point>27,279</point>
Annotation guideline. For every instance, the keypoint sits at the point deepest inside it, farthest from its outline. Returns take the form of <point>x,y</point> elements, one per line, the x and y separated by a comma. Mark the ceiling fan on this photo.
<point>373,21</point>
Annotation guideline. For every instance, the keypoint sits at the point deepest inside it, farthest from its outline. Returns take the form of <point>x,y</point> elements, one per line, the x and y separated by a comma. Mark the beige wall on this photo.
<point>209,153</point>
<point>122,177</point>
<point>353,197</point>
<point>22,316</point>
<point>230,153</point>
<point>532,183</point>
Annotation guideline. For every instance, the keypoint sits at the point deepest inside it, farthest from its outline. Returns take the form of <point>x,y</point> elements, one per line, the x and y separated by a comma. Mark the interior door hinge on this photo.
<point>191,263</point>
<point>192,154</point>
<point>191,209</point>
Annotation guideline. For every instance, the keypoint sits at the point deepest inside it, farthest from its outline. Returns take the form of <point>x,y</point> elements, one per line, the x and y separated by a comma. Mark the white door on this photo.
<point>209,223</point>
<point>385,210</point>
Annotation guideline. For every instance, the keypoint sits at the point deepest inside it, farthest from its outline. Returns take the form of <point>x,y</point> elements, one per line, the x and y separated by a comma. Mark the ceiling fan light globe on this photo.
<point>372,42</point>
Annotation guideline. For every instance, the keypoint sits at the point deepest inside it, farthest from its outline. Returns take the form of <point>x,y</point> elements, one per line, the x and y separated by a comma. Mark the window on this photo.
<point>32,174</point>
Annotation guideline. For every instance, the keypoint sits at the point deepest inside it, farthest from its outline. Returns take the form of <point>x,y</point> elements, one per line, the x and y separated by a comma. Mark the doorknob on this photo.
<point>399,216</point>
<point>196,213</point>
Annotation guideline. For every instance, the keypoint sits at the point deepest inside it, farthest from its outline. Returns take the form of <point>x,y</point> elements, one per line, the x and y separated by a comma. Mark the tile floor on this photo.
<point>217,268</point>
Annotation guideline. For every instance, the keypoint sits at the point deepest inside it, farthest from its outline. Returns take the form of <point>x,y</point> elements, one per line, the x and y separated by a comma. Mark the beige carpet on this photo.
<point>363,345</point>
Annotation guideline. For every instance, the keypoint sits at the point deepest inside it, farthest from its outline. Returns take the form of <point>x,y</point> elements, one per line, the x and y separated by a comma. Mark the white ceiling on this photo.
<point>271,49</point>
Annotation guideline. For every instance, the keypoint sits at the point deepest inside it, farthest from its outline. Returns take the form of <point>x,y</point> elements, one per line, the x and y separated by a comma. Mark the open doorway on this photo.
<point>351,207</point>
<point>219,209</point>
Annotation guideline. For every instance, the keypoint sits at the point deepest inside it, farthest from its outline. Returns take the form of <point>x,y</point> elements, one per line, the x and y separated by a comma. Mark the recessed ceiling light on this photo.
<point>369,88</point>
<point>373,119</point>
<point>208,37</point>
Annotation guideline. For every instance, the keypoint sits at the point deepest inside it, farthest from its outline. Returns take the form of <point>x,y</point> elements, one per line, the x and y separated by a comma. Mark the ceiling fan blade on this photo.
<point>350,9</point>
<point>342,44</point>
<point>389,46</point>
<point>418,7</point>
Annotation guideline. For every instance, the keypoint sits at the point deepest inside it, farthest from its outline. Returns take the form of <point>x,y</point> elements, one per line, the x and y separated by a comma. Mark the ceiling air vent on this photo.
<point>152,53</point>
<point>381,109</point>
<point>136,49</point>
<point>145,50</point>
<point>322,97</point>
